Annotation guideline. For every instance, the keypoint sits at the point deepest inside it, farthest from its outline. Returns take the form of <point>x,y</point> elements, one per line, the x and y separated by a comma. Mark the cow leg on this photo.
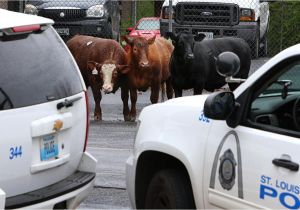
<point>133,98</point>
<point>154,93</point>
<point>233,86</point>
<point>198,91</point>
<point>169,88</point>
<point>124,97</point>
<point>97,98</point>
<point>163,91</point>
<point>178,92</point>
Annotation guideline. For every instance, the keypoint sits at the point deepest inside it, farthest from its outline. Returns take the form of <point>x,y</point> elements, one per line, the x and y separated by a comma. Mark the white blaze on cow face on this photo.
<point>107,70</point>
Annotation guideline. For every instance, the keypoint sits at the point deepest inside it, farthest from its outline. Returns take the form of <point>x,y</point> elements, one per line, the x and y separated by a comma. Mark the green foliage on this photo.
<point>284,28</point>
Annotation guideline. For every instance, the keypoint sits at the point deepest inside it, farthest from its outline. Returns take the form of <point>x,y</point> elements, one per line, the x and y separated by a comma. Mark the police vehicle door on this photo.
<point>256,164</point>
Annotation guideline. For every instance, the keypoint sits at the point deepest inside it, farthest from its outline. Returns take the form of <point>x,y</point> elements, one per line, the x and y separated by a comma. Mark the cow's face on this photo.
<point>106,74</point>
<point>140,49</point>
<point>184,44</point>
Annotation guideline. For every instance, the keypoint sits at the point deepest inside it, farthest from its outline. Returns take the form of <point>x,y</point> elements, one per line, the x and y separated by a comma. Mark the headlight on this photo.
<point>30,9</point>
<point>95,11</point>
<point>247,15</point>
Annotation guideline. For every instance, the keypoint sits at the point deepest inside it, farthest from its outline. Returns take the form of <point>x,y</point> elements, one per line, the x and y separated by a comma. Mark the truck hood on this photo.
<point>42,4</point>
<point>242,4</point>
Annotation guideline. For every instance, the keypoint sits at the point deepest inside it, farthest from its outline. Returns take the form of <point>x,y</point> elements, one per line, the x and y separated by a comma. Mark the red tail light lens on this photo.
<point>87,120</point>
<point>29,28</point>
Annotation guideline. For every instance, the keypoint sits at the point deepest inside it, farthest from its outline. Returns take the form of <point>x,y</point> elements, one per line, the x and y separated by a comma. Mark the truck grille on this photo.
<point>63,14</point>
<point>195,13</point>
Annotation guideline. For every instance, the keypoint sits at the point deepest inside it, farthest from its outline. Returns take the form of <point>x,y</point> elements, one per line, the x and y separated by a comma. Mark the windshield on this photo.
<point>148,25</point>
<point>36,69</point>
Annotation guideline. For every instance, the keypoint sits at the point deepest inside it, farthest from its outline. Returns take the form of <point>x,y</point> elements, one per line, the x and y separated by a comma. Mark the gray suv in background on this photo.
<point>100,18</point>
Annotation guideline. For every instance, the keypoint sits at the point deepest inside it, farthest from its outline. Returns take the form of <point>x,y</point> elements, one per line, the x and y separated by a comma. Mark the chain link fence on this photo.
<point>268,26</point>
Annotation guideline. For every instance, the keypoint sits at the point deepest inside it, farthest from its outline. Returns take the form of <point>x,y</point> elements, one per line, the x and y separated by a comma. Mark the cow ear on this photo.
<point>199,37</point>
<point>128,39</point>
<point>91,65</point>
<point>124,69</point>
<point>151,40</point>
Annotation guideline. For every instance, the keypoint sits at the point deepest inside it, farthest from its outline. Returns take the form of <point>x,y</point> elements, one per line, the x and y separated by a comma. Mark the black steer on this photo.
<point>192,63</point>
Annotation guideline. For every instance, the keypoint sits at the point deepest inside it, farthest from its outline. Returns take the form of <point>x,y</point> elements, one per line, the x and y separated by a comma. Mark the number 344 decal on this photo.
<point>15,152</point>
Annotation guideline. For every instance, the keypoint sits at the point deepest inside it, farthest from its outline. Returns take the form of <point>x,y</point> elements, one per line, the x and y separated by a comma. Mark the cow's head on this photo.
<point>139,49</point>
<point>107,74</point>
<point>184,44</point>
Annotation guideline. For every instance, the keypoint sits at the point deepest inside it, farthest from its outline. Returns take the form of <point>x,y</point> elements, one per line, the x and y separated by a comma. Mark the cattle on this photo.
<point>102,63</point>
<point>148,60</point>
<point>192,63</point>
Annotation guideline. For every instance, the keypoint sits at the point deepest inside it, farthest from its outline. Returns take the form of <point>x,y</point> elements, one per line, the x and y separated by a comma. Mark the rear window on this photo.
<point>35,69</point>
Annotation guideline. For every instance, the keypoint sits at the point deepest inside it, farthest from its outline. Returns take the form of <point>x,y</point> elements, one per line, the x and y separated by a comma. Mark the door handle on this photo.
<point>286,164</point>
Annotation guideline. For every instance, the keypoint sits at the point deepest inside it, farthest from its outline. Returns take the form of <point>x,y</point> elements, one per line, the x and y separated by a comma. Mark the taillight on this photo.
<point>29,28</point>
<point>87,120</point>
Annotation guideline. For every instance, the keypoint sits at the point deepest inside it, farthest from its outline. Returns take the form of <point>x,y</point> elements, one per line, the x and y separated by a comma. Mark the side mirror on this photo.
<point>228,65</point>
<point>219,105</point>
<point>128,30</point>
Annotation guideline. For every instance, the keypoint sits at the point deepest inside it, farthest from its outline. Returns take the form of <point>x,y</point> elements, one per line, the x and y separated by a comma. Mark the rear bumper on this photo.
<point>72,189</point>
<point>244,30</point>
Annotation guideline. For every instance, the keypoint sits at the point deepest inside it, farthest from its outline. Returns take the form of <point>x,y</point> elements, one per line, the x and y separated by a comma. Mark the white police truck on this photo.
<point>227,150</point>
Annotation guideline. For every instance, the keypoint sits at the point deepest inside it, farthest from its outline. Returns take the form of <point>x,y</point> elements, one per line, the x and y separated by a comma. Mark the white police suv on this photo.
<point>224,150</point>
<point>43,118</point>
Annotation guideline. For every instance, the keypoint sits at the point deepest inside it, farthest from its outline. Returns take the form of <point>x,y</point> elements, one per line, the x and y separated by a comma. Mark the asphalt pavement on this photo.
<point>111,141</point>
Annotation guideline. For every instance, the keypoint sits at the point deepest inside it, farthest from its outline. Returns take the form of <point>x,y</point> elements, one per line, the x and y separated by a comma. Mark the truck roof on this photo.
<point>9,19</point>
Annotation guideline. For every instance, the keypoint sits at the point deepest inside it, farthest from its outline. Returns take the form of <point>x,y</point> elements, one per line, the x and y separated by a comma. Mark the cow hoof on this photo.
<point>97,118</point>
<point>127,118</point>
<point>132,119</point>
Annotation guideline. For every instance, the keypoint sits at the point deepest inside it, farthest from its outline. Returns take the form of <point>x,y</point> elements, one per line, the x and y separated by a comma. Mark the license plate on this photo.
<point>208,35</point>
<point>63,31</point>
<point>49,147</point>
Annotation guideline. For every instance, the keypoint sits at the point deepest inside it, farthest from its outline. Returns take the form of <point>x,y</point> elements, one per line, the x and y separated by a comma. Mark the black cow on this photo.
<point>192,63</point>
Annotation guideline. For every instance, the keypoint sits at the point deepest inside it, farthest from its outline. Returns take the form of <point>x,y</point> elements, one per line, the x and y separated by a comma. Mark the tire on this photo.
<point>264,49</point>
<point>169,189</point>
<point>109,32</point>
<point>255,48</point>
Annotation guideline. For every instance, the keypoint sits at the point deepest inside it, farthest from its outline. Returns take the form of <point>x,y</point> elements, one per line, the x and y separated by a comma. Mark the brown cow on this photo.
<point>102,63</point>
<point>149,67</point>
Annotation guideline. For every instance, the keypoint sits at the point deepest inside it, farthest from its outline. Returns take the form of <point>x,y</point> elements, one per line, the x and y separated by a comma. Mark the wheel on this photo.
<point>116,30</point>
<point>109,31</point>
<point>169,189</point>
<point>264,49</point>
<point>296,114</point>
<point>255,47</point>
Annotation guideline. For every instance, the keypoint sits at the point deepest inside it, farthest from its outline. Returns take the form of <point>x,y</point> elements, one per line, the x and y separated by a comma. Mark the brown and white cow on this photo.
<point>102,63</point>
<point>149,67</point>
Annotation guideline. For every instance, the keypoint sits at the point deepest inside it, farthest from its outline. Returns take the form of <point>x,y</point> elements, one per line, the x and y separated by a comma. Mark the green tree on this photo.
<point>284,28</point>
